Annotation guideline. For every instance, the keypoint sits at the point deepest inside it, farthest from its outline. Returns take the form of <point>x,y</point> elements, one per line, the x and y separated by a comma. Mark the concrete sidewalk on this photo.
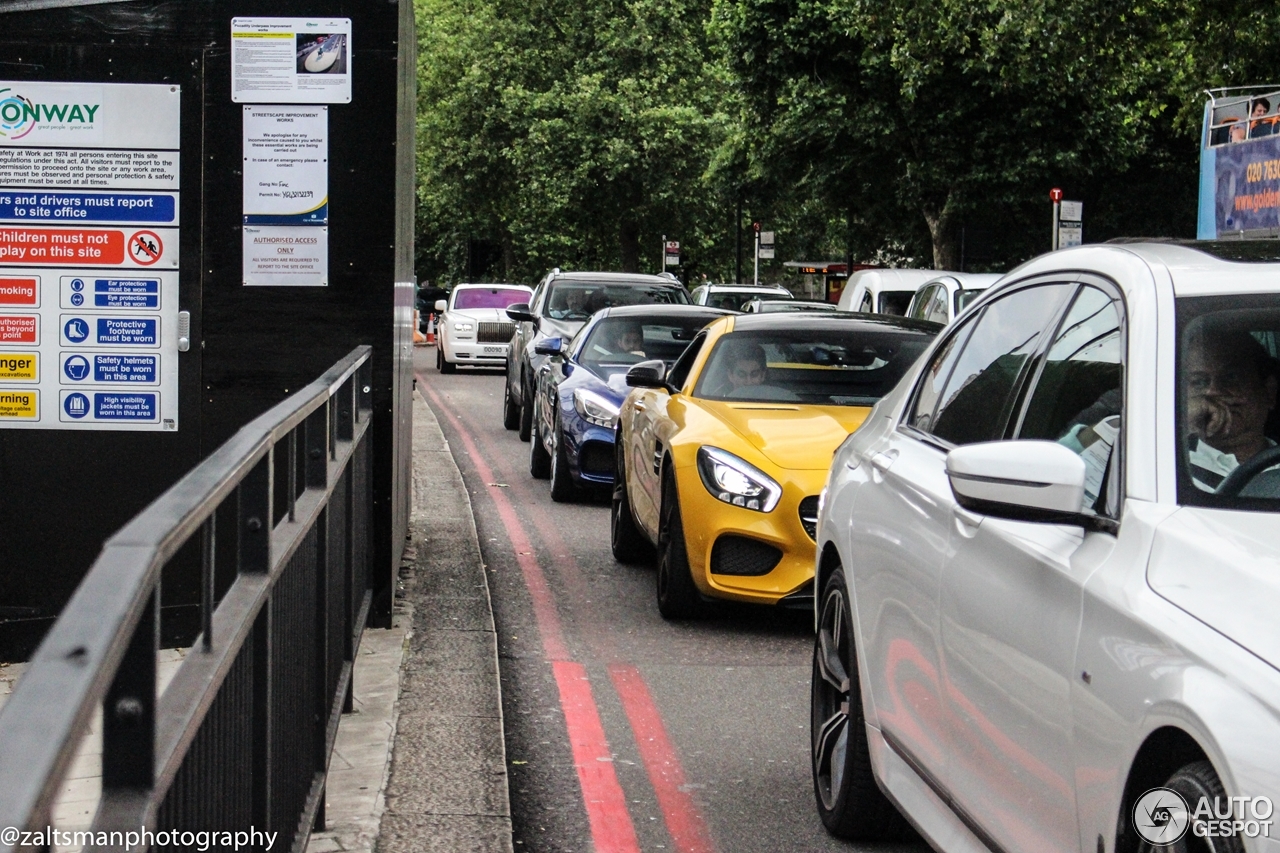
<point>420,765</point>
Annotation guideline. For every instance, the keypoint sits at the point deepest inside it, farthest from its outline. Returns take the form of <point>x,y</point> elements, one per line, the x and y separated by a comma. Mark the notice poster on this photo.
<point>291,60</point>
<point>89,216</point>
<point>286,165</point>
<point>290,255</point>
<point>1248,188</point>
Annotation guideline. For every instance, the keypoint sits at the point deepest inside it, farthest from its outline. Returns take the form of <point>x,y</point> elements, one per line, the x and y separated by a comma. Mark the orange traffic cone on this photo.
<point>431,331</point>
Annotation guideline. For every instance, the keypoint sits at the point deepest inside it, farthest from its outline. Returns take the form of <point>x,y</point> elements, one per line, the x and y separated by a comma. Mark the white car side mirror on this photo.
<point>441,305</point>
<point>1020,480</point>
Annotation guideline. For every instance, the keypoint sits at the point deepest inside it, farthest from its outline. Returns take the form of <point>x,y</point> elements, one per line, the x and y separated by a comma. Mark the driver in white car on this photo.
<point>1231,389</point>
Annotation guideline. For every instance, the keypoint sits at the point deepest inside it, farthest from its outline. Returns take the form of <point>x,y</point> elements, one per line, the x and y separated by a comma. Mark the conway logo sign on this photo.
<point>20,115</point>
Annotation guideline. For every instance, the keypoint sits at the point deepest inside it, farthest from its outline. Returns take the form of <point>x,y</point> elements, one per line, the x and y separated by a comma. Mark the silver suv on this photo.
<point>561,304</point>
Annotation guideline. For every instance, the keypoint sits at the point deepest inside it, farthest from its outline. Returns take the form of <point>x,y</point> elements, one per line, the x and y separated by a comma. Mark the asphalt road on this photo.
<point>624,731</point>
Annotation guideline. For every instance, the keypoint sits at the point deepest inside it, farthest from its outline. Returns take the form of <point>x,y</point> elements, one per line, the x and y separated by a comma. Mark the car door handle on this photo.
<point>882,462</point>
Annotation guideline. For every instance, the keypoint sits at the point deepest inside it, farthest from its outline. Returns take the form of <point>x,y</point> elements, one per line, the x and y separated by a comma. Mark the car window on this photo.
<point>865,305</point>
<point>964,298</point>
<point>978,396</point>
<point>578,300</point>
<point>680,370</point>
<point>616,343</point>
<point>487,297</point>
<point>1078,396</point>
<point>1228,376</point>
<point>535,302</point>
<point>936,310</point>
<point>921,303</point>
<point>895,301</point>
<point>834,366</point>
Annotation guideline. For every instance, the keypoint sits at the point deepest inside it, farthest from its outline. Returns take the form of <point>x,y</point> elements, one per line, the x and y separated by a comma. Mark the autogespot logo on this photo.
<point>1161,816</point>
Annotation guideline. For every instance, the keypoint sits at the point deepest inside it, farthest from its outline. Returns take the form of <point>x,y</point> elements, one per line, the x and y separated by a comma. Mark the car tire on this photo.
<point>625,539</point>
<point>510,411</point>
<point>678,597</point>
<point>1193,781</point>
<point>563,489</point>
<point>526,412</point>
<point>442,364</point>
<point>849,801</point>
<point>539,459</point>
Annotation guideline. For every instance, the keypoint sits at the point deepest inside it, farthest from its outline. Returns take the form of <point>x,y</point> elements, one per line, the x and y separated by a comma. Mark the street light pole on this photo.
<point>755,278</point>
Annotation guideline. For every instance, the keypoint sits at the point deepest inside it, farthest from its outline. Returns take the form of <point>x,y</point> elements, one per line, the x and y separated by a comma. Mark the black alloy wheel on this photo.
<point>539,459</point>
<point>441,364</point>
<point>678,597</point>
<point>1193,782</point>
<point>563,489</point>
<point>625,539</point>
<point>526,411</point>
<point>510,411</point>
<point>849,801</point>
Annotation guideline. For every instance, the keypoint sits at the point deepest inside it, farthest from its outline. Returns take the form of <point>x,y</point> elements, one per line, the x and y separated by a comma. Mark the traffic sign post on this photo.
<point>1055,196</point>
<point>1070,231</point>
<point>670,252</point>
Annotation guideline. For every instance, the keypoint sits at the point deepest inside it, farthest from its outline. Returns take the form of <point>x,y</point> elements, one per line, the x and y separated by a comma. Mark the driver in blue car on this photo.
<point>1230,390</point>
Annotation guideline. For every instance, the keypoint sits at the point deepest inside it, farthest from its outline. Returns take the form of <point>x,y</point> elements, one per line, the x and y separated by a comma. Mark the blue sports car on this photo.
<point>580,388</point>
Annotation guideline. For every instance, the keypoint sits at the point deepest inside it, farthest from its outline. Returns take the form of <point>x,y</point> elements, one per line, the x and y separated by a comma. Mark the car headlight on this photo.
<point>462,327</point>
<point>736,481</point>
<point>594,408</point>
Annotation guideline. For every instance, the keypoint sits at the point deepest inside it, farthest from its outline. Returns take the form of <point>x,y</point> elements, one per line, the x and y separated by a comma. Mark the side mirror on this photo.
<point>1020,480</point>
<point>441,305</point>
<point>550,346</point>
<point>520,313</point>
<point>648,374</point>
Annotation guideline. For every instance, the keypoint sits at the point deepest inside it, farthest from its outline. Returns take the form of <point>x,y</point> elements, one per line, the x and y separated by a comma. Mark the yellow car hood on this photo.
<point>791,435</point>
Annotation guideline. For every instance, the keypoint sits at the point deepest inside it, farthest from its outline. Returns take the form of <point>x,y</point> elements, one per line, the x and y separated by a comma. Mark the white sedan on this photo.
<point>474,327</point>
<point>1048,610</point>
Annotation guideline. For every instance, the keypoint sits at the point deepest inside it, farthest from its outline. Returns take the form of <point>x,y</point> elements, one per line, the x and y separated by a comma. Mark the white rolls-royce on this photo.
<point>474,327</point>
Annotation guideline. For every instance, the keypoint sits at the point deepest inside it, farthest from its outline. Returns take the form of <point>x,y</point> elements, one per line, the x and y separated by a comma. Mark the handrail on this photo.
<point>112,616</point>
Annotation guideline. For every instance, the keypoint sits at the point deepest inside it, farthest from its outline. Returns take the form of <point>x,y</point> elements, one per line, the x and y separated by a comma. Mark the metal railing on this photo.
<point>241,737</point>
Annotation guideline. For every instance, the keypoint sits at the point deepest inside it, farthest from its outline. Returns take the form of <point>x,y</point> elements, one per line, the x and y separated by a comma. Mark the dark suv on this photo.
<point>561,303</point>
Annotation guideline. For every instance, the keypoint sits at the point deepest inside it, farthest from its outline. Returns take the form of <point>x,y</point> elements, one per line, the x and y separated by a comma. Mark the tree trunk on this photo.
<point>629,246</point>
<point>943,230</point>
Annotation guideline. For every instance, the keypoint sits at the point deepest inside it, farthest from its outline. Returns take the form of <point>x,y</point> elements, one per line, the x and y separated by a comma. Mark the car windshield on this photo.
<point>837,366</point>
<point>895,301</point>
<point>616,343</point>
<point>578,300</point>
<point>734,300</point>
<point>1228,374</point>
<point>780,305</point>
<point>964,298</point>
<point>488,297</point>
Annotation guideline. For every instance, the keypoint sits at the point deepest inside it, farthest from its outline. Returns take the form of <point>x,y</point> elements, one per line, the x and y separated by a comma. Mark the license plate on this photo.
<point>494,350</point>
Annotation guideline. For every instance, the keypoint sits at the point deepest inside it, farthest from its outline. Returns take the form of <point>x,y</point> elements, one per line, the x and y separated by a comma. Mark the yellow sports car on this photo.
<point>720,458</point>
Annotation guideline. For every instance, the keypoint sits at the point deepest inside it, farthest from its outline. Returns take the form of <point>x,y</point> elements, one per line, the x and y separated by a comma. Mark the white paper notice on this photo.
<point>286,165</point>
<point>291,60</point>
<point>291,255</point>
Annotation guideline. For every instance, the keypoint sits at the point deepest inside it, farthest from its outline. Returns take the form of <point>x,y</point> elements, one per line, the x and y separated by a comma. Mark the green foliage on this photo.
<point>576,134</point>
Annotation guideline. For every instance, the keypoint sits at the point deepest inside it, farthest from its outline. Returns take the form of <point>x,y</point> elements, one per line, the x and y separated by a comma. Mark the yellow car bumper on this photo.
<point>729,546</point>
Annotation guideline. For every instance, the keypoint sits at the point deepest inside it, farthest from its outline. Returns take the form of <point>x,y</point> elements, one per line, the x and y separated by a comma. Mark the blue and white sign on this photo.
<point>117,406</point>
<point>110,368</point>
<point>75,367</point>
<point>75,406</point>
<point>123,294</point>
<point>70,207</point>
<point>97,330</point>
<point>76,330</point>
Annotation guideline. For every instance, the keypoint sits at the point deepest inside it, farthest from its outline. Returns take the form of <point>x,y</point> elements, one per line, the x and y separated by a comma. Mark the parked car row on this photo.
<point>1041,559</point>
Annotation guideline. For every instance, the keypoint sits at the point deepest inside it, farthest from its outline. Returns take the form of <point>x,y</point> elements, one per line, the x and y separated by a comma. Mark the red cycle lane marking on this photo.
<point>681,815</point>
<point>684,821</point>
<point>611,827</point>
